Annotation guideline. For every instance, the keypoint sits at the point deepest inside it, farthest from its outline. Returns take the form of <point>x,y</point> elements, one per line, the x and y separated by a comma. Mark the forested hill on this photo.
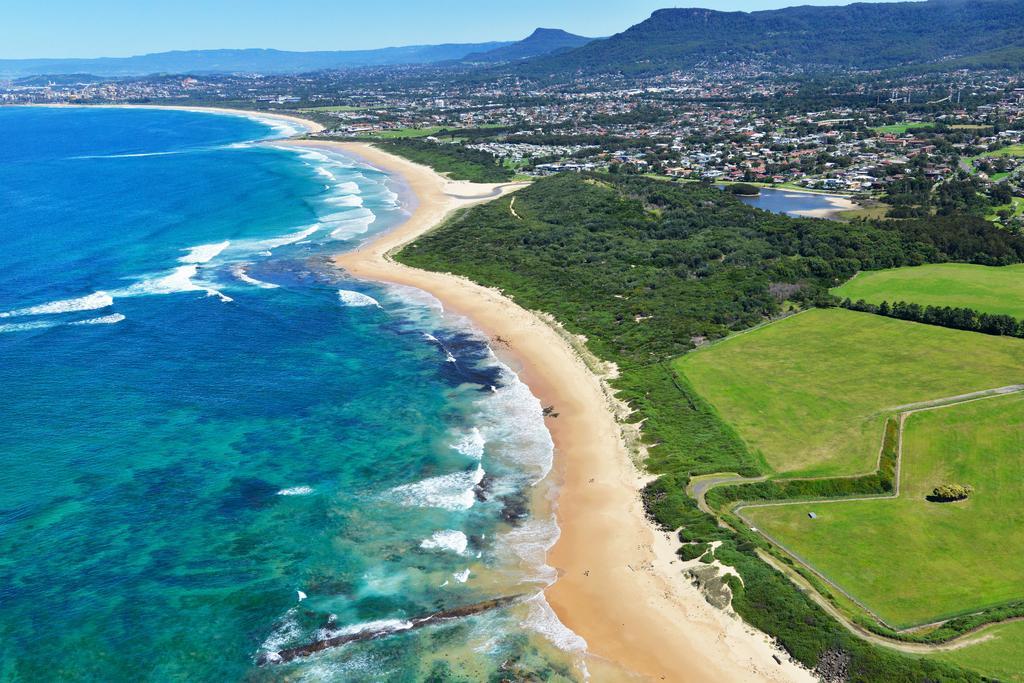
<point>543,41</point>
<point>863,35</point>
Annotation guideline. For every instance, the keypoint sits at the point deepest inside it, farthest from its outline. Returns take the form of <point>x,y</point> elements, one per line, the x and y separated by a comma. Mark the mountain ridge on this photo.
<point>859,35</point>
<point>542,41</point>
<point>244,60</point>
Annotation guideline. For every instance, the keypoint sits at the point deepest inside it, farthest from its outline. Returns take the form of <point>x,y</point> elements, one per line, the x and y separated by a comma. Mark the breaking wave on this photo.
<point>91,302</point>
<point>356,299</point>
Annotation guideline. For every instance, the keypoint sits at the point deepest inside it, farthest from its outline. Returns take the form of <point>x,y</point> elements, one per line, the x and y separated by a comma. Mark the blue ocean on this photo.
<point>214,446</point>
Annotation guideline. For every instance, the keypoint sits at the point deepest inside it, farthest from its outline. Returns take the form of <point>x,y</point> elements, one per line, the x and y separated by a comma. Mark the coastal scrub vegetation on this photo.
<point>455,161</point>
<point>647,270</point>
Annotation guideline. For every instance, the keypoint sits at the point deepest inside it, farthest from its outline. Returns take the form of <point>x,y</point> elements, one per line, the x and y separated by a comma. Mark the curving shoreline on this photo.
<point>620,584</point>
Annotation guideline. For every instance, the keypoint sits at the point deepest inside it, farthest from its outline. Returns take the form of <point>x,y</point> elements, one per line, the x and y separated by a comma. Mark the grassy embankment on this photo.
<point>645,269</point>
<point>983,288</point>
<point>913,561</point>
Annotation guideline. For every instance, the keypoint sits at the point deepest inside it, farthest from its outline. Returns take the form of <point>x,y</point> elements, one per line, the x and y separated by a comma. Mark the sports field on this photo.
<point>812,391</point>
<point>985,288</point>
<point>912,561</point>
<point>1001,656</point>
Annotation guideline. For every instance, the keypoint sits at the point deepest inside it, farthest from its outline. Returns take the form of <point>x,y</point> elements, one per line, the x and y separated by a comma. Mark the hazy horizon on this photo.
<point>80,32</point>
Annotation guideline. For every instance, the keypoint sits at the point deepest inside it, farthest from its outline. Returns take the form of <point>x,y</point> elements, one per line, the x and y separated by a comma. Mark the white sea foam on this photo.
<point>448,491</point>
<point>348,224</point>
<point>542,619</point>
<point>239,272</point>
<point>449,539</point>
<point>350,298</point>
<point>463,576</point>
<point>296,491</point>
<point>527,546</point>
<point>380,625</point>
<point>347,187</point>
<point>111,319</point>
<point>345,200</point>
<point>91,302</point>
<point>471,443</point>
<point>275,242</point>
<point>204,253</point>
<point>325,173</point>
<point>173,282</point>
<point>287,632</point>
<point>23,327</point>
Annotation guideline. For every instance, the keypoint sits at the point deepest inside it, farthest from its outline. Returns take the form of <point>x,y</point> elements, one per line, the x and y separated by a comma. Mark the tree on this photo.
<point>951,492</point>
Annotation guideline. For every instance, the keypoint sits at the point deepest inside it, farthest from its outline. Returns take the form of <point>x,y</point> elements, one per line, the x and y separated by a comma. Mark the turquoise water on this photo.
<point>214,446</point>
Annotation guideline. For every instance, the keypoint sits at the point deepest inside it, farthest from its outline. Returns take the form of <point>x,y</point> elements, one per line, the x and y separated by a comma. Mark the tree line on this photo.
<point>957,318</point>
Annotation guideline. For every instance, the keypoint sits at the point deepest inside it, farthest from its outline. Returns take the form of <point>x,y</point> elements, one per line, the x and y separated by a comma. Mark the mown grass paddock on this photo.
<point>912,561</point>
<point>812,392</point>
<point>999,656</point>
<point>987,289</point>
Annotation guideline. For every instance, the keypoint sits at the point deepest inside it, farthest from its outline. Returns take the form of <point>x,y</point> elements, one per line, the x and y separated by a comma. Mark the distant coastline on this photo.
<point>308,125</point>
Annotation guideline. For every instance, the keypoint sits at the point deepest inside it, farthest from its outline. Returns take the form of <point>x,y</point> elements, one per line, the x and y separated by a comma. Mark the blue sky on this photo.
<point>111,28</point>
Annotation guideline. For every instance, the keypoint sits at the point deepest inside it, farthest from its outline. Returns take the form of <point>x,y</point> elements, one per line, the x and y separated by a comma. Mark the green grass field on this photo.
<point>334,108</point>
<point>811,392</point>
<point>1001,656</point>
<point>984,288</point>
<point>900,128</point>
<point>402,133</point>
<point>912,561</point>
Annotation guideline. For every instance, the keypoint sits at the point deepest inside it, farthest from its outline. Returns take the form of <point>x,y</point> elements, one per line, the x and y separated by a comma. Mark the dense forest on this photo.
<point>645,269</point>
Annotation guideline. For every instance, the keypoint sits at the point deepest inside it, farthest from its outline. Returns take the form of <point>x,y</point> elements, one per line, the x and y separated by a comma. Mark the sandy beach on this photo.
<point>620,584</point>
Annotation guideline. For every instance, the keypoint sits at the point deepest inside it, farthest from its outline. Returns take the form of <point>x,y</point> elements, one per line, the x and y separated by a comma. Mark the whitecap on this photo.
<point>296,491</point>
<point>347,224</point>
<point>448,491</point>
<point>239,272</point>
<point>23,327</point>
<point>350,298</point>
<point>275,242</point>
<point>463,576</point>
<point>450,539</point>
<point>176,281</point>
<point>102,320</point>
<point>90,302</point>
<point>345,200</point>
<point>325,173</point>
<point>204,253</point>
